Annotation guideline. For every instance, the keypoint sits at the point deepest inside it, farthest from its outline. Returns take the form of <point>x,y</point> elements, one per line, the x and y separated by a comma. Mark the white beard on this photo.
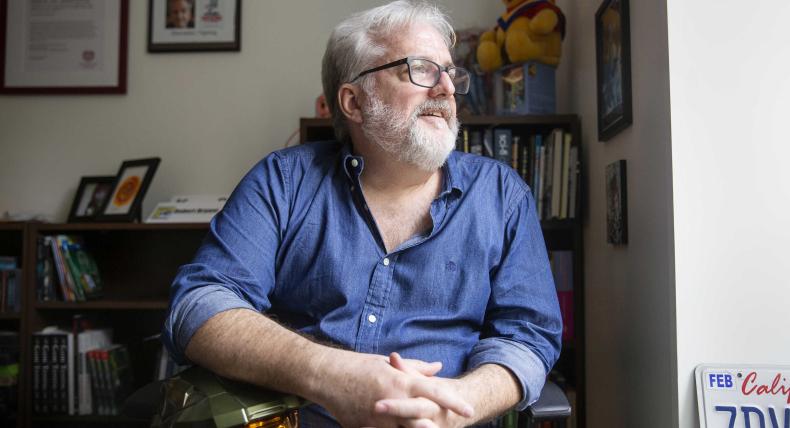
<point>408,140</point>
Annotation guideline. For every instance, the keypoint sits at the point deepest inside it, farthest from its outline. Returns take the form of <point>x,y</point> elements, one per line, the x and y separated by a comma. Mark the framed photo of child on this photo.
<point>90,197</point>
<point>194,25</point>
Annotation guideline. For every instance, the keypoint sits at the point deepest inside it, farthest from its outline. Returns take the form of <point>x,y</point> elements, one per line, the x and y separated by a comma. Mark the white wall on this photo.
<point>209,116</point>
<point>730,107</point>
<point>629,289</point>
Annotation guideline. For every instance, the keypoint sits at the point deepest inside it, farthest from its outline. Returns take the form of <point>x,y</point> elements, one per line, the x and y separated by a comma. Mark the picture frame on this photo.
<point>91,195</point>
<point>616,203</point>
<point>56,62</point>
<point>613,68</point>
<point>129,187</point>
<point>194,25</point>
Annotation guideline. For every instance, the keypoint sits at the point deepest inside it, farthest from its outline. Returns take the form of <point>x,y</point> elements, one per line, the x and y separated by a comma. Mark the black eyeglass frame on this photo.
<point>406,60</point>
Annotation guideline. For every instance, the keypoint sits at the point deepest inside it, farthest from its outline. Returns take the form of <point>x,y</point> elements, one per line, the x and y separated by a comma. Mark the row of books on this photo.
<point>562,269</point>
<point>86,376</point>
<point>548,163</point>
<point>9,374</point>
<point>10,285</point>
<point>65,270</point>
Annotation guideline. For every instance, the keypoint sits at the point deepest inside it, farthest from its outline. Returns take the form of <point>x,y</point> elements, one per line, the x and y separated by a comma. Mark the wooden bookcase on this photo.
<point>137,263</point>
<point>559,235</point>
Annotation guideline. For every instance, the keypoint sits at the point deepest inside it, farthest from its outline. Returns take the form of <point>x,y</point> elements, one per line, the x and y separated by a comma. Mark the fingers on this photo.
<point>443,396</point>
<point>414,366</point>
<point>413,412</point>
<point>408,408</point>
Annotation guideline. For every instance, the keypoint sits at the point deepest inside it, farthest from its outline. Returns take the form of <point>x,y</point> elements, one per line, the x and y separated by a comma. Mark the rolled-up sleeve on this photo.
<point>523,326</point>
<point>235,265</point>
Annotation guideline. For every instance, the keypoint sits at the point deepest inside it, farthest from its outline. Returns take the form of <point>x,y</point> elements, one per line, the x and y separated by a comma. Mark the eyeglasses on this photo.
<point>426,73</point>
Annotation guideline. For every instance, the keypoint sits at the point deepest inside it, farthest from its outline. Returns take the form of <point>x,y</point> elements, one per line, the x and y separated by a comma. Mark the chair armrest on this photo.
<point>552,404</point>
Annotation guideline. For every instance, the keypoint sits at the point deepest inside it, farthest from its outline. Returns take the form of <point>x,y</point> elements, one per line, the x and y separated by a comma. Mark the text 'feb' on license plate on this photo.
<point>743,396</point>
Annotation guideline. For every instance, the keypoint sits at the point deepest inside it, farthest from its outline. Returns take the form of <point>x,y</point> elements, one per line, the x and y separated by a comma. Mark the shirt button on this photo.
<point>354,163</point>
<point>372,318</point>
<point>386,261</point>
<point>353,188</point>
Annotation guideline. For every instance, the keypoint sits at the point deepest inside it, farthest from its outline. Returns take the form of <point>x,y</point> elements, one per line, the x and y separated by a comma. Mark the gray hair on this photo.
<point>356,43</point>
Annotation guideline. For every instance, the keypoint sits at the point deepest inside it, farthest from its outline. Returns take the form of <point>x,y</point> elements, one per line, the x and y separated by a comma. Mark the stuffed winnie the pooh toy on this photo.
<point>530,30</point>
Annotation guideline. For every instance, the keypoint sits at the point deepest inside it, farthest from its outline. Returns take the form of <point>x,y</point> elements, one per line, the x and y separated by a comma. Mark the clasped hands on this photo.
<point>384,392</point>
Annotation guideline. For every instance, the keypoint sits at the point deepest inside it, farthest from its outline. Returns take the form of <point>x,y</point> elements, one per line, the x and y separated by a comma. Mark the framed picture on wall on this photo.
<point>63,47</point>
<point>91,195</point>
<point>613,65</point>
<point>616,204</point>
<point>194,25</point>
<point>128,190</point>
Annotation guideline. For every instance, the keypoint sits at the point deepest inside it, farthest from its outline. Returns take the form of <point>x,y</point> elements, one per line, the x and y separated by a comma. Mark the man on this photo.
<point>180,13</point>
<point>383,242</point>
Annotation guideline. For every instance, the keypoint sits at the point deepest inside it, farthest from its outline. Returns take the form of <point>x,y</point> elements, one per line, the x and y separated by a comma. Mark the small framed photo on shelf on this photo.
<point>129,187</point>
<point>616,204</point>
<point>613,65</point>
<point>91,195</point>
<point>63,47</point>
<point>194,25</point>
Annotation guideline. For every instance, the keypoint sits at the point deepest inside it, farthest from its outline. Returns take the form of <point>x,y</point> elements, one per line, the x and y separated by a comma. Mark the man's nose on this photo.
<point>445,86</point>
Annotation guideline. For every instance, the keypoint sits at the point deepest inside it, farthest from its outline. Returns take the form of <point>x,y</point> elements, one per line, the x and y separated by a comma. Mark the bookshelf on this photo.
<point>563,234</point>
<point>137,263</point>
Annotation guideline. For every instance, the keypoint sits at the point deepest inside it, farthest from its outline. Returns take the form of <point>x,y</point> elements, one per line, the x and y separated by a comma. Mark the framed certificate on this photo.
<point>62,47</point>
<point>194,25</point>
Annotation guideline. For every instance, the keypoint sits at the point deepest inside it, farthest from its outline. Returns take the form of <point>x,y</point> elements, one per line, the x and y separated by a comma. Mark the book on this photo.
<point>566,157</point>
<point>503,145</point>
<point>556,169</point>
<point>120,375</point>
<point>45,275</point>
<point>85,268</point>
<point>514,151</point>
<point>66,288</point>
<point>72,273</point>
<point>86,341</point>
<point>97,383</point>
<point>545,178</point>
<point>8,262</point>
<point>475,142</point>
<point>562,270</point>
<point>573,179</point>
<point>488,143</point>
<point>524,160</point>
<point>56,380</point>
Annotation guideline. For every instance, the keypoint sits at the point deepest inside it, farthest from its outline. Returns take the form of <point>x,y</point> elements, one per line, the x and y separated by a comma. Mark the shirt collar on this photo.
<point>450,183</point>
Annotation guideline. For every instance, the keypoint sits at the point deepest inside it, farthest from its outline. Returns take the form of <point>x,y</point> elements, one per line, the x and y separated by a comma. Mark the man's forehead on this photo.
<point>420,40</point>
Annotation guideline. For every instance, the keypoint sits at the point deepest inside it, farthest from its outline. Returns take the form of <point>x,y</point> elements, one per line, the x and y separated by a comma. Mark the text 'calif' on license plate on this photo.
<point>743,396</point>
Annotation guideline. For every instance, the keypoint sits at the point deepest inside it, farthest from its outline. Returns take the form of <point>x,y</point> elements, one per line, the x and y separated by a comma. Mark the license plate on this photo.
<point>743,396</point>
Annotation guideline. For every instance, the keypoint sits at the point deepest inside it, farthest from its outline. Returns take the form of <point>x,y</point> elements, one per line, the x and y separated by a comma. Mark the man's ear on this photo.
<point>350,101</point>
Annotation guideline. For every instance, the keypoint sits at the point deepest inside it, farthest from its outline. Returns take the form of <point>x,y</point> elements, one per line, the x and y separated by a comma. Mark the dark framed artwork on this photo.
<point>91,195</point>
<point>194,25</point>
<point>129,186</point>
<point>63,47</point>
<point>616,204</point>
<point>613,66</point>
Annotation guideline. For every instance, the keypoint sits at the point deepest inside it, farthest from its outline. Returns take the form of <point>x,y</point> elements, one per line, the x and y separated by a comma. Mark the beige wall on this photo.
<point>209,116</point>
<point>630,289</point>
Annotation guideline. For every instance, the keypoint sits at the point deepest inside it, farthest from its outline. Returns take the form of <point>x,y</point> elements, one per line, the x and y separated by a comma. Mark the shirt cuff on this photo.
<point>516,357</point>
<point>193,311</point>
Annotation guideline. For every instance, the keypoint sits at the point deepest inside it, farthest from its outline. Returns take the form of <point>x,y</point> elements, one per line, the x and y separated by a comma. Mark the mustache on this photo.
<point>434,106</point>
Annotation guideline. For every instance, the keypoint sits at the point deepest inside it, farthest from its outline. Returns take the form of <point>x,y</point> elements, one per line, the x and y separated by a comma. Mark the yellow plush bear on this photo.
<point>530,30</point>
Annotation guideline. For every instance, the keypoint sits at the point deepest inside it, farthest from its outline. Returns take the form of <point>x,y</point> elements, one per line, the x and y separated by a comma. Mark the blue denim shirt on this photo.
<point>296,240</point>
